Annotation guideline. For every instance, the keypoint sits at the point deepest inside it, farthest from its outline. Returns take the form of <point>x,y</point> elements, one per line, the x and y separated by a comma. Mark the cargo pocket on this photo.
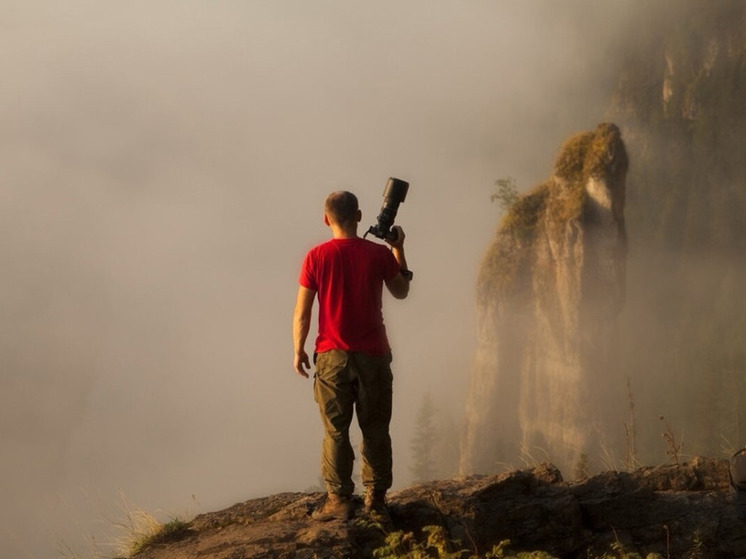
<point>328,366</point>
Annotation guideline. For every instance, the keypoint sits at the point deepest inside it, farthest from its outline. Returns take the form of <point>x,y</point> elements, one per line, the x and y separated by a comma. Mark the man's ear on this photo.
<point>359,216</point>
<point>326,221</point>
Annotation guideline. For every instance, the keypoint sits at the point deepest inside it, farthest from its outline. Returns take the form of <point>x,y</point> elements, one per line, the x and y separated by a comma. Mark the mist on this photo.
<point>164,169</point>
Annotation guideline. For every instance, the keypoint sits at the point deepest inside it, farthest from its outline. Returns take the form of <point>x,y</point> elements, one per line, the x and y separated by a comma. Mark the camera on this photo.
<point>393,195</point>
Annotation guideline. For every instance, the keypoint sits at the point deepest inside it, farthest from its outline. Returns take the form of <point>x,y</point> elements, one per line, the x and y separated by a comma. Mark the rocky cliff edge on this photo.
<point>675,511</point>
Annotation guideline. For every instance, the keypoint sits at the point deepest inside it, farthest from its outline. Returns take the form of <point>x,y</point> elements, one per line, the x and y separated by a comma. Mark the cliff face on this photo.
<point>552,353</point>
<point>674,511</point>
<point>550,288</point>
<point>680,103</point>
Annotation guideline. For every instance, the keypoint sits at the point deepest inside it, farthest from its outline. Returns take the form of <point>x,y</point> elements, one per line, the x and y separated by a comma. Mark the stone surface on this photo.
<point>670,510</point>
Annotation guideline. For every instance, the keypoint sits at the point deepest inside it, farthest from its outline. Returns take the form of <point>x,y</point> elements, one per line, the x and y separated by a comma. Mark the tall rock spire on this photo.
<point>550,287</point>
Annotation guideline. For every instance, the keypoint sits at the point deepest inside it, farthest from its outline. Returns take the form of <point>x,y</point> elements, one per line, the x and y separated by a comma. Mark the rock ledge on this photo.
<point>673,510</point>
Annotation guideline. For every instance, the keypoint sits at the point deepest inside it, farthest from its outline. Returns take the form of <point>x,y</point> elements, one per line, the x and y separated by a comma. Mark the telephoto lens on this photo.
<point>393,195</point>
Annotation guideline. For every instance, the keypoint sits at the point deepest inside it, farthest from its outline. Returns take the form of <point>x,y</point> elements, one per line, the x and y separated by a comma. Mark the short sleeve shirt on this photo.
<point>348,277</point>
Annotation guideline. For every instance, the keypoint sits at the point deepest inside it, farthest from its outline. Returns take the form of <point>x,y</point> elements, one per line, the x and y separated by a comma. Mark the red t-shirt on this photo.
<point>348,276</point>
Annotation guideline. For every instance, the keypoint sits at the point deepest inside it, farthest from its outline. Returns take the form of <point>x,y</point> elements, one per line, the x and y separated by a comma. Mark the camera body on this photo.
<point>393,195</point>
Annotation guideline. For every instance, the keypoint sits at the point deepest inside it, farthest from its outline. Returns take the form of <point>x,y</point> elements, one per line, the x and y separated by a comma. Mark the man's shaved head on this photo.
<point>341,207</point>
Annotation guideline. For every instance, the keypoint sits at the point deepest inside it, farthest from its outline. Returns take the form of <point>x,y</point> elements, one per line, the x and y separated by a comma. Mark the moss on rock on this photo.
<point>551,204</point>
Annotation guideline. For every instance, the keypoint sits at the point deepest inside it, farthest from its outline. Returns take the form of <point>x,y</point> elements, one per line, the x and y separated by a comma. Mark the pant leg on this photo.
<point>334,391</point>
<point>373,407</point>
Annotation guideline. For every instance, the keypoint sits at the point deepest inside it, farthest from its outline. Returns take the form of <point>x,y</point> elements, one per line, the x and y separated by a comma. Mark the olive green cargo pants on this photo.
<point>354,380</point>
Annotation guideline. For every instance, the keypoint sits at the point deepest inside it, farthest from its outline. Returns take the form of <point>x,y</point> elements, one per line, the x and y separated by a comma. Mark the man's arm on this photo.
<point>399,285</point>
<point>301,326</point>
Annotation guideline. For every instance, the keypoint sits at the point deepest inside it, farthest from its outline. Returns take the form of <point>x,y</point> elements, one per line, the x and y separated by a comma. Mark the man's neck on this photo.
<point>344,233</point>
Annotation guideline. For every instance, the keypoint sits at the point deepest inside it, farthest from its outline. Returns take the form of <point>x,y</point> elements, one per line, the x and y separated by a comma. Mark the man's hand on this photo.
<point>302,363</point>
<point>398,241</point>
<point>301,324</point>
<point>399,285</point>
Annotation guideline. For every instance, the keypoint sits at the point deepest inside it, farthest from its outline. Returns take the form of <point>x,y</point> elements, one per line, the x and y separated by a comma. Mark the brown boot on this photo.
<point>375,501</point>
<point>336,507</point>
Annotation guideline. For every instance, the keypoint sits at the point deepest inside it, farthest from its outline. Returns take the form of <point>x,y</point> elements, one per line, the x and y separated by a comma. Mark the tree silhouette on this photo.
<point>423,443</point>
<point>506,193</point>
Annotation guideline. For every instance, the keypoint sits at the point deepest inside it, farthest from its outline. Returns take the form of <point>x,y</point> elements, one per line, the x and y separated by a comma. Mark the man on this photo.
<point>352,353</point>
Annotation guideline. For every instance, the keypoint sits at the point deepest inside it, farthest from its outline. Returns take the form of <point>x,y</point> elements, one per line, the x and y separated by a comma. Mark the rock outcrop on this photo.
<point>550,287</point>
<point>674,511</point>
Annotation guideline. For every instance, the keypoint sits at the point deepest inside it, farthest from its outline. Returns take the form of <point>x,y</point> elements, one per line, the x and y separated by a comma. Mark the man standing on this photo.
<point>352,353</point>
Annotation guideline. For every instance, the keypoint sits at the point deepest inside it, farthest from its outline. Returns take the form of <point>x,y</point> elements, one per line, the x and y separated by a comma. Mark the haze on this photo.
<point>164,167</point>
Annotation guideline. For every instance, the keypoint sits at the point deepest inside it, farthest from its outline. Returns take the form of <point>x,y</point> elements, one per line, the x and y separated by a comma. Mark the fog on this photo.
<point>164,166</point>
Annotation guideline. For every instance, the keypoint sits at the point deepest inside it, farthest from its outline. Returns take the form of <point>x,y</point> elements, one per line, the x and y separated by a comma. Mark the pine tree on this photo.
<point>423,443</point>
<point>506,193</point>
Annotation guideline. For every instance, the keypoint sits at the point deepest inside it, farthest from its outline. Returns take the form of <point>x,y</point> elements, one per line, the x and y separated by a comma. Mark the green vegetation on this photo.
<point>405,546</point>
<point>506,193</point>
<point>503,261</point>
<point>435,543</point>
<point>550,204</point>
<point>571,162</point>
<point>141,530</point>
<point>600,153</point>
<point>159,534</point>
<point>525,212</point>
<point>619,552</point>
<point>592,154</point>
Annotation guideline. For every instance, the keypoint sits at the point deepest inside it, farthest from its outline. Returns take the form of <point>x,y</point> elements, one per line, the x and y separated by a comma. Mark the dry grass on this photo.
<point>142,530</point>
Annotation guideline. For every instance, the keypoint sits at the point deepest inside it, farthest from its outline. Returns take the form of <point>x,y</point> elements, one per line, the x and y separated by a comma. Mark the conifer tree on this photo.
<point>424,441</point>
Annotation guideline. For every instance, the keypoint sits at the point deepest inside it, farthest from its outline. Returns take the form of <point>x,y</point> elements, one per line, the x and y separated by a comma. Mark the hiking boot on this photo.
<point>336,507</point>
<point>375,501</point>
